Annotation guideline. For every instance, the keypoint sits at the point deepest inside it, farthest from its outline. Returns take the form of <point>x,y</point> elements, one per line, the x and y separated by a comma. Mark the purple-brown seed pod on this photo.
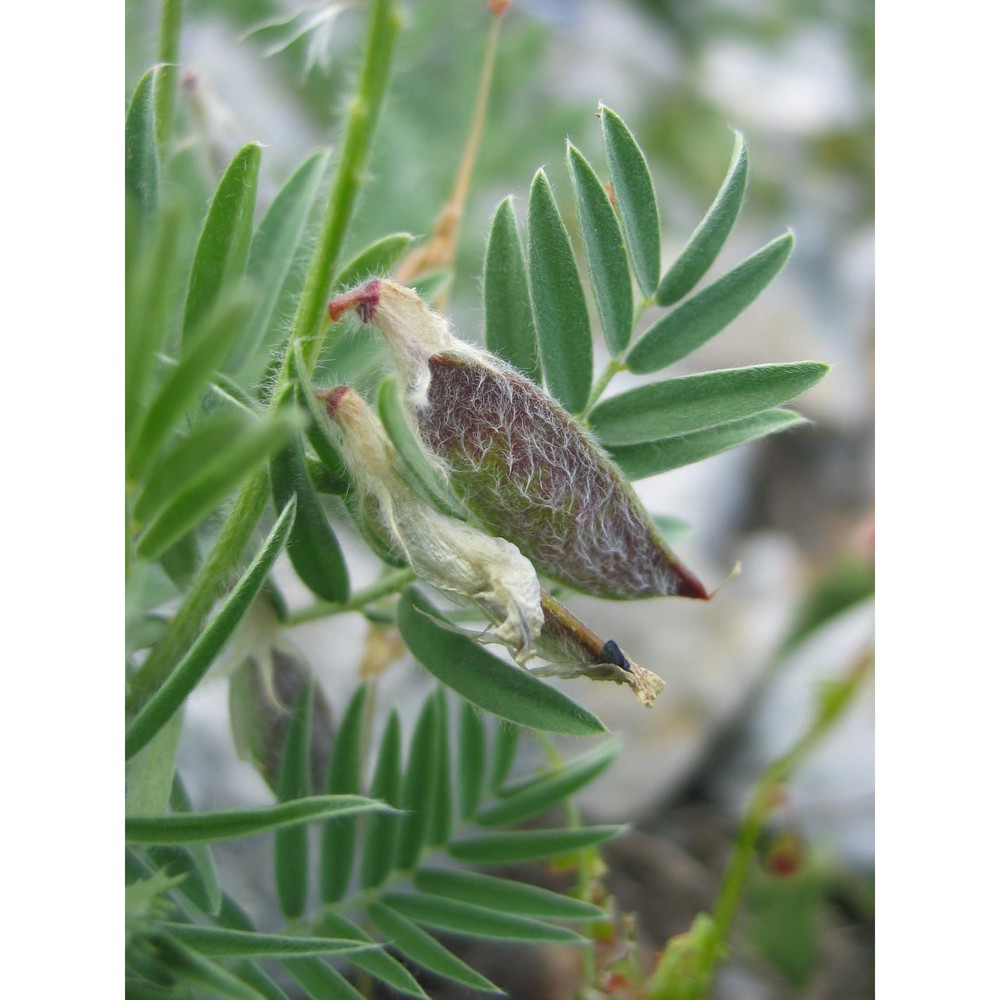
<point>517,459</point>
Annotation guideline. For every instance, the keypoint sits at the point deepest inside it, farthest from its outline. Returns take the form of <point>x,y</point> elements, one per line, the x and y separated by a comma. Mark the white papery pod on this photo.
<point>444,552</point>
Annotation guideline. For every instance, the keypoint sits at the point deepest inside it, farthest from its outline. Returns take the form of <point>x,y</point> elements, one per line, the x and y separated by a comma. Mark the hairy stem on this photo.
<point>307,329</point>
<point>391,583</point>
<point>166,82</point>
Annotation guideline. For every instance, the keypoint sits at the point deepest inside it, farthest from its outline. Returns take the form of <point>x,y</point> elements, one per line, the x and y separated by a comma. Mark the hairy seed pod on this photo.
<point>517,459</point>
<point>444,552</point>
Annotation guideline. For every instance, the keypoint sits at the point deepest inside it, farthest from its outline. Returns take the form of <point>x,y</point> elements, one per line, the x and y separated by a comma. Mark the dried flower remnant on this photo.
<point>446,553</point>
<point>517,459</point>
<point>574,650</point>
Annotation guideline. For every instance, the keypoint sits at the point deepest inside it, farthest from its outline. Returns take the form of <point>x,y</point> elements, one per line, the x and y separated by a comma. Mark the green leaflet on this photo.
<point>527,845</point>
<point>186,381</point>
<point>224,243</point>
<point>636,199</point>
<point>291,844</point>
<point>142,161</point>
<point>505,741</point>
<point>228,824</point>
<point>414,467</point>
<point>343,777</point>
<point>186,675</point>
<point>320,980</point>
<point>376,260</point>
<point>538,794</point>
<point>701,317</point>
<point>557,301</point>
<point>375,961</point>
<point>426,951</point>
<point>320,438</point>
<point>472,754</point>
<point>607,261</point>
<point>443,815</point>
<point>379,848</point>
<point>504,895</point>
<point>707,240</point>
<point>694,402</point>
<point>485,680</point>
<point>201,854</point>
<point>475,921</point>
<point>148,296</point>
<point>187,459</point>
<point>193,969</point>
<point>224,943</point>
<point>647,459</point>
<point>216,480</point>
<point>419,786</point>
<point>510,329</point>
<point>312,546</point>
<point>276,262</point>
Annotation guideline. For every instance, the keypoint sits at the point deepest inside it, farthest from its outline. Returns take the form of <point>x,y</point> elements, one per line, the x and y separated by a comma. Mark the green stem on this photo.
<point>614,366</point>
<point>362,117</point>
<point>166,82</point>
<point>762,802</point>
<point>307,328</point>
<point>391,583</point>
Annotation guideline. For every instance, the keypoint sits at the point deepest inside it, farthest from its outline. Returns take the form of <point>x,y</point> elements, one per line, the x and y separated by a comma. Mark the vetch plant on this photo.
<point>479,474</point>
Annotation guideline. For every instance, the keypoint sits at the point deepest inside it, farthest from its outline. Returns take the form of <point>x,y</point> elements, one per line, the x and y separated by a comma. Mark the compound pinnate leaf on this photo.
<point>607,261</point>
<point>701,317</point>
<point>694,402</point>
<point>557,301</point>
<point>651,457</point>
<point>501,688</point>
<point>510,329</point>
<point>636,199</point>
<point>707,240</point>
<point>224,243</point>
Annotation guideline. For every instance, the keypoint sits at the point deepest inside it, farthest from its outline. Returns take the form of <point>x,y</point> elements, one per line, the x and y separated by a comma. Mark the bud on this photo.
<point>519,461</point>
<point>446,553</point>
<point>573,650</point>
